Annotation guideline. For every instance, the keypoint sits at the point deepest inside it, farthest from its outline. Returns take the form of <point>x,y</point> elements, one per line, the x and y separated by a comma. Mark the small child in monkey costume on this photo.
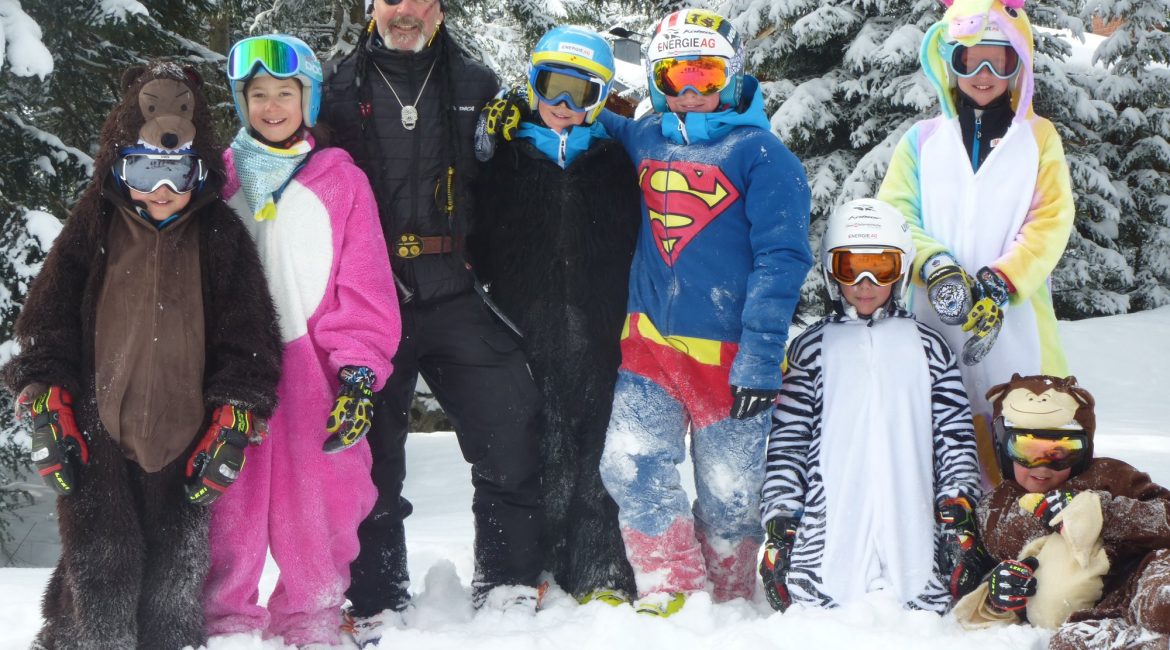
<point>1104,580</point>
<point>149,349</point>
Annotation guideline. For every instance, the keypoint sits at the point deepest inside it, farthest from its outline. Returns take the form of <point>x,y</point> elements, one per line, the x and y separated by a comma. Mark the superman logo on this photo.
<point>682,198</point>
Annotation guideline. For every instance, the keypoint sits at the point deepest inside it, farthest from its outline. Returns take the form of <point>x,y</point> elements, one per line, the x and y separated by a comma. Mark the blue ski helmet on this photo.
<point>574,65</point>
<point>281,56</point>
<point>693,33</point>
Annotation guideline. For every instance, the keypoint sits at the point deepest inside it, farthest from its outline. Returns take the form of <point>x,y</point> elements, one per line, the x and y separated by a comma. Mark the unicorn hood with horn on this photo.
<point>969,23</point>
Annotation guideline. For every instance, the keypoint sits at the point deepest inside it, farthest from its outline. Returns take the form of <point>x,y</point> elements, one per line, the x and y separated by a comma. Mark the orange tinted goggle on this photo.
<point>882,267</point>
<point>705,75</point>
<point>1055,449</point>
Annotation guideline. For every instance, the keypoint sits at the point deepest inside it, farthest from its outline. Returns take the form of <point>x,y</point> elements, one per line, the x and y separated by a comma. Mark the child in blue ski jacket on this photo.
<point>717,270</point>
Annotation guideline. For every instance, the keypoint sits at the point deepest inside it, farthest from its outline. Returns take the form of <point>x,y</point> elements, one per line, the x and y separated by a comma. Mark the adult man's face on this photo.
<point>409,24</point>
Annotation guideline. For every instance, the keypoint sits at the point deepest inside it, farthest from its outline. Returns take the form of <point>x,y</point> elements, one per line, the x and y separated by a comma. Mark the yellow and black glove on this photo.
<point>353,410</point>
<point>500,118</point>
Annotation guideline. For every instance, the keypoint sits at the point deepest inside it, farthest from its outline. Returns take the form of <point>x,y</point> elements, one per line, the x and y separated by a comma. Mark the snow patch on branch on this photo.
<point>20,42</point>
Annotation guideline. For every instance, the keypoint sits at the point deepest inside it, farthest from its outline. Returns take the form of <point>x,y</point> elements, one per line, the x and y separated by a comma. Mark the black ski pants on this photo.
<point>479,376</point>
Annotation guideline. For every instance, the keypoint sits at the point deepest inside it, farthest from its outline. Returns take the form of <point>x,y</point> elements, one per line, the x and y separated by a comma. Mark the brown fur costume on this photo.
<point>1134,610</point>
<point>134,550</point>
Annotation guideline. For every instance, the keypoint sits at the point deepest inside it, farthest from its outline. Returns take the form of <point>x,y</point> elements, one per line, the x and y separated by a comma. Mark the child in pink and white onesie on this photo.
<point>312,214</point>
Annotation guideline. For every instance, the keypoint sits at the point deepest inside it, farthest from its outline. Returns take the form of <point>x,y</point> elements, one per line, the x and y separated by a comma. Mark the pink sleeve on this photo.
<point>363,327</point>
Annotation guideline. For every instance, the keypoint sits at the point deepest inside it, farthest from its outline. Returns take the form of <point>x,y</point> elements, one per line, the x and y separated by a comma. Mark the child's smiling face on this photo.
<point>1040,479</point>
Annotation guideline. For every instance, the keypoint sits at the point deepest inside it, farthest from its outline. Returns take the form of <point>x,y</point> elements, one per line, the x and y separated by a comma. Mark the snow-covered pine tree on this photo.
<point>1093,276</point>
<point>1135,140</point>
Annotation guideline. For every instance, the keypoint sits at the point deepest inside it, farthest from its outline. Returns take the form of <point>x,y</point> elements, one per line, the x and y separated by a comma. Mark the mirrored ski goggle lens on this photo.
<point>1001,60</point>
<point>707,75</point>
<point>580,92</point>
<point>277,57</point>
<point>1035,450</point>
<point>882,267</point>
<point>146,172</point>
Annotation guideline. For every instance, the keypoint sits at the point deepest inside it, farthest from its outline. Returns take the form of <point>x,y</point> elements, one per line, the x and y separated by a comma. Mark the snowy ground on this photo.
<point>1122,360</point>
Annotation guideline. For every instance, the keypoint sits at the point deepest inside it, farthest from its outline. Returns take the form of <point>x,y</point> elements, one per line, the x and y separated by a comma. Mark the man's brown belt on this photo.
<point>410,245</point>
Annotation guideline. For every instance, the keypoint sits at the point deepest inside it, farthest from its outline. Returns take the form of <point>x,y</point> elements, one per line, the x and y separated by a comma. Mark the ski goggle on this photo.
<point>1057,449</point>
<point>277,57</point>
<point>705,75</point>
<point>850,266</point>
<point>146,172</point>
<point>1000,60</point>
<point>581,91</point>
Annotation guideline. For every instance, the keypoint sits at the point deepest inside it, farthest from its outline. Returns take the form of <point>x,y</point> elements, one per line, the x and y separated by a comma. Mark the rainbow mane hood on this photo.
<point>965,22</point>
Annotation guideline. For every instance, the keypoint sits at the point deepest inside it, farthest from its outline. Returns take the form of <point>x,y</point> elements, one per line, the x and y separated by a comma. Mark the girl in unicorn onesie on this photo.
<point>986,191</point>
<point>312,214</point>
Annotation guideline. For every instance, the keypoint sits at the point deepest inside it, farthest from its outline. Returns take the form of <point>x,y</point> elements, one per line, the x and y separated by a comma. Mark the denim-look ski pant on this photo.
<point>662,393</point>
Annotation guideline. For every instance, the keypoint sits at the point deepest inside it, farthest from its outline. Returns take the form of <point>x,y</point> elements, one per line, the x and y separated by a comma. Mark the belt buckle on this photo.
<point>409,246</point>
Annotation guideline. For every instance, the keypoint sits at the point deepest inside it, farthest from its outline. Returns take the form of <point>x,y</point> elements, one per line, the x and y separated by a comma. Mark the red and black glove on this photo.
<point>1053,504</point>
<point>58,446</point>
<point>217,461</point>
<point>777,560</point>
<point>353,411</point>
<point>962,560</point>
<point>1011,584</point>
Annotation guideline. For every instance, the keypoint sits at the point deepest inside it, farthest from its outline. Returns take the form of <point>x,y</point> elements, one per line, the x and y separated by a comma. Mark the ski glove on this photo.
<point>750,402</point>
<point>949,289</point>
<point>1051,505</point>
<point>985,319</point>
<point>219,457</point>
<point>499,119</point>
<point>777,560</point>
<point>1011,583</point>
<point>58,447</point>
<point>349,421</point>
<point>962,561</point>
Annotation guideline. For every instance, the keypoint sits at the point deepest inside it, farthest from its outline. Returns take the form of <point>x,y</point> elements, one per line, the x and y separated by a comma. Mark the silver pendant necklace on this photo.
<point>409,112</point>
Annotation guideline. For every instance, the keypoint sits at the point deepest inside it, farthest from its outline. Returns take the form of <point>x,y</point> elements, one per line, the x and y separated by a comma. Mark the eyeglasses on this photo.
<point>1058,449</point>
<point>705,75</point>
<point>851,265</point>
<point>146,172</point>
<point>581,91</point>
<point>417,3</point>
<point>1000,60</point>
<point>277,57</point>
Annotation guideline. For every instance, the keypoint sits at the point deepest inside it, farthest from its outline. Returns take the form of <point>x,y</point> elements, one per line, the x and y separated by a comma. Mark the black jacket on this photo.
<point>985,128</point>
<point>557,244</point>
<point>408,169</point>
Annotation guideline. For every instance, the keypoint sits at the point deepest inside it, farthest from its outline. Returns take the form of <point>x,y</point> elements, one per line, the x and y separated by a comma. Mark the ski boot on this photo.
<point>661,604</point>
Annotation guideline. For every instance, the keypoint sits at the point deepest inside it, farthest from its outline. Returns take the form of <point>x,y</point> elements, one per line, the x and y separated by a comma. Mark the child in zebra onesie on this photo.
<point>871,437</point>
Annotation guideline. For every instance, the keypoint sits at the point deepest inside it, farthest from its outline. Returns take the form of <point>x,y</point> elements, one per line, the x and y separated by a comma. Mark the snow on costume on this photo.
<point>720,258</point>
<point>559,217</point>
<point>327,264</point>
<point>1011,211</point>
<point>151,326</point>
<point>872,432</point>
<point>1133,609</point>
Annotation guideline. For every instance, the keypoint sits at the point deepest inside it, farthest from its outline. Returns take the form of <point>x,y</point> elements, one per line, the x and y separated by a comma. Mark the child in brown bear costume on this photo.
<point>149,352</point>
<point>1112,574</point>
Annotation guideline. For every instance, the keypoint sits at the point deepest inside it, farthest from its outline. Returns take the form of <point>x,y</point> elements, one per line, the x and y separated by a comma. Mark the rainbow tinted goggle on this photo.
<point>146,172</point>
<point>1058,449</point>
<point>277,57</point>
<point>852,265</point>
<point>705,75</point>
<point>581,91</point>
<point>1000,60</point>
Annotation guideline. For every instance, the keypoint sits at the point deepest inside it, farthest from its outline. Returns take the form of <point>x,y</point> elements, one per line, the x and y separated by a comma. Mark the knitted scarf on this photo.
<point>264,171</point>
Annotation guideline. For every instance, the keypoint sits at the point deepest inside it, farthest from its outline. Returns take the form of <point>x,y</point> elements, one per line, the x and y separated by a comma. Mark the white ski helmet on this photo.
<point>693,33</point>
<point>867,225</point>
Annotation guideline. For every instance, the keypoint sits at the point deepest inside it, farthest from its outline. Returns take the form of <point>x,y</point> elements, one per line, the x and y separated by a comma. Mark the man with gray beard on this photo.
<point>404,104</point>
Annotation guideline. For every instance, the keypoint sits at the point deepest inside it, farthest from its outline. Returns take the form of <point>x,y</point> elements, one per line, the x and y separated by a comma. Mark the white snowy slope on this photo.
<point>1122,360</point>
